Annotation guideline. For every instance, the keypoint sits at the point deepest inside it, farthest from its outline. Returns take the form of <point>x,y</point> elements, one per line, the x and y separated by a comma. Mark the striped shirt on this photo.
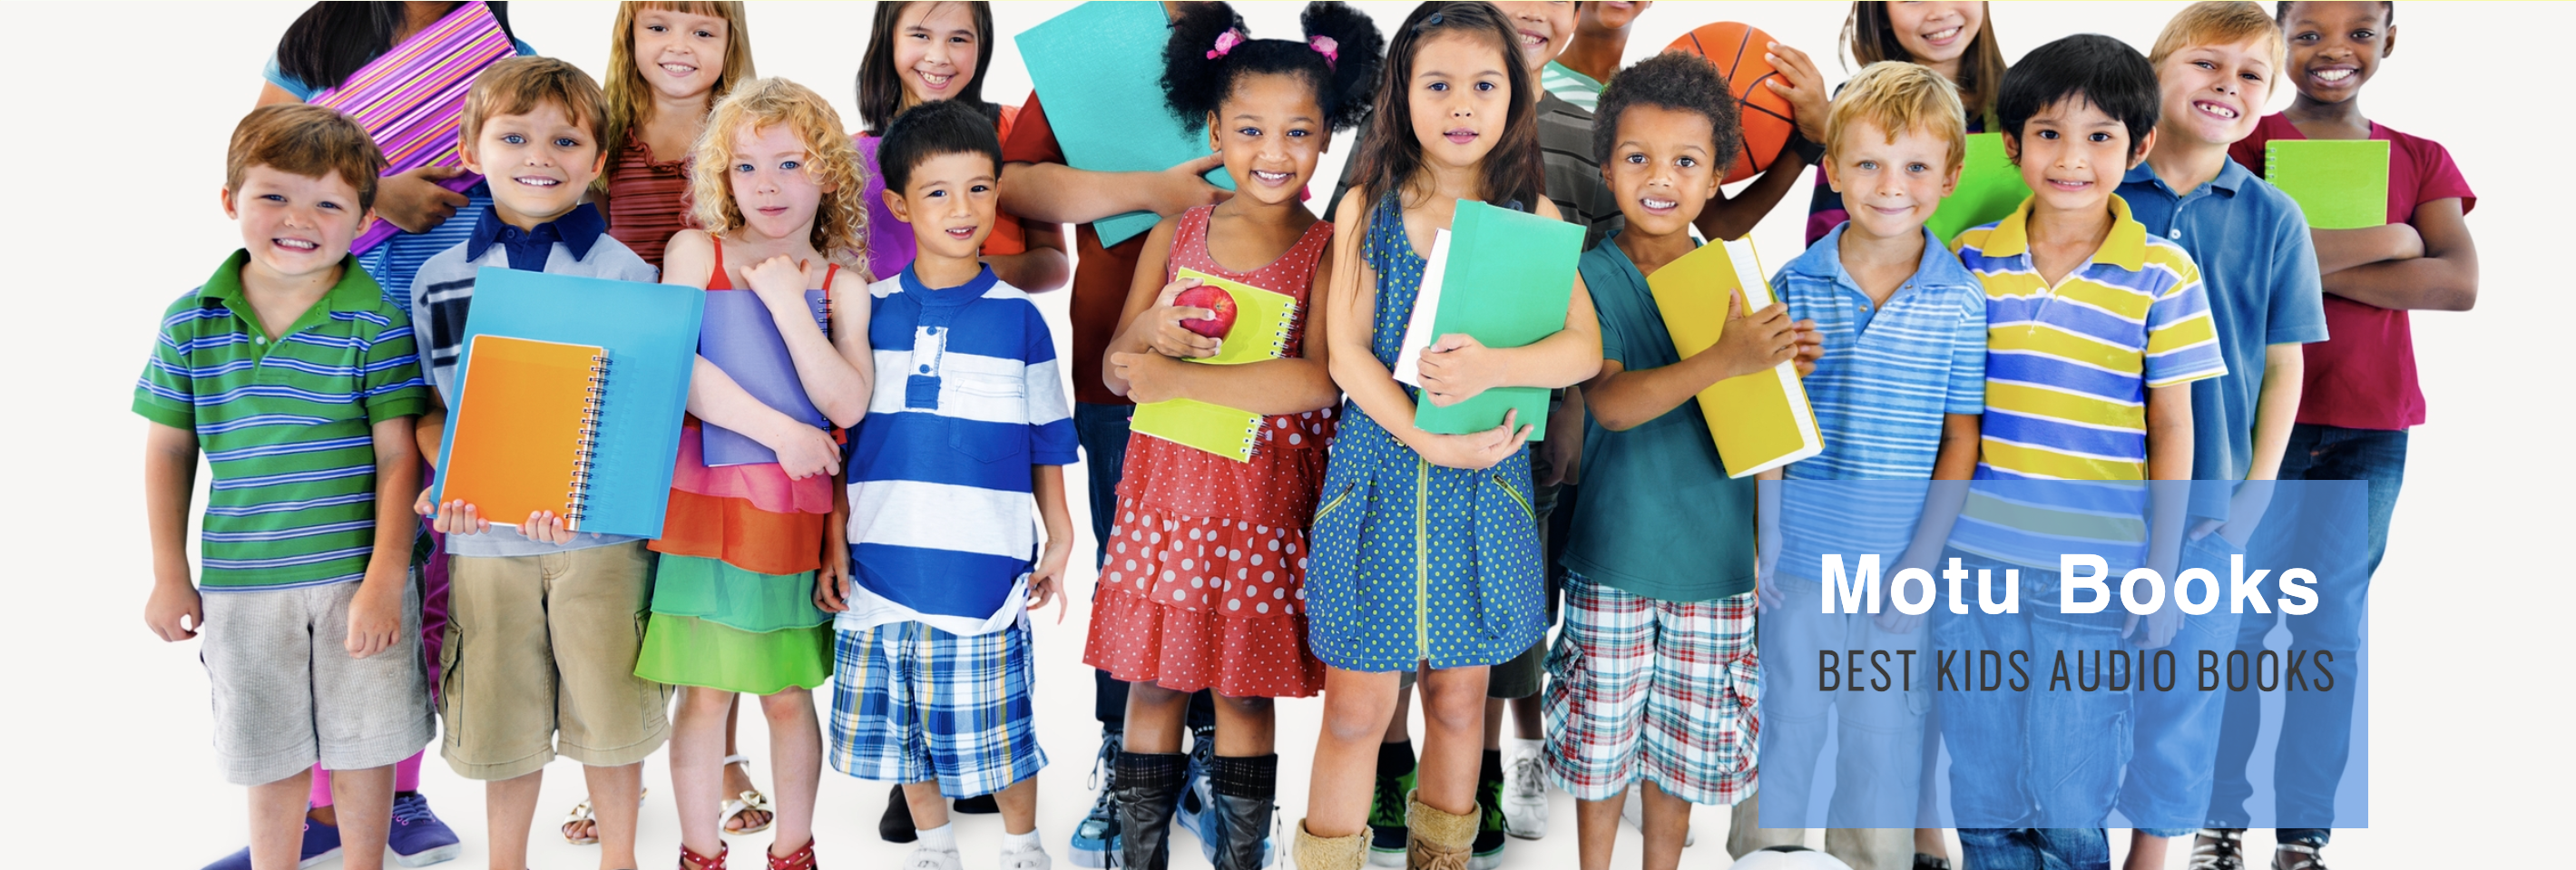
<point>1570,86</point>
<point>286,425</point>
<point>968,397</point>
<point>1573,176</point>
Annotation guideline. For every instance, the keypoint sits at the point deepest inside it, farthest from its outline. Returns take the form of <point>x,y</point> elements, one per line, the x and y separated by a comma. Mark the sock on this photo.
<point>939,839</point>
<point>1395,759</point>
<point>1013,844</point>
<point>1518,745</point>
<point>1250,776</point>
<point>1492,771</point>
<point>321,796</point>
<point>407,774</point>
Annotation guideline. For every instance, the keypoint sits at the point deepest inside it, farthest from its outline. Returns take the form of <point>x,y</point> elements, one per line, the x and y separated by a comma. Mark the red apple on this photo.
<point>1215,300</point>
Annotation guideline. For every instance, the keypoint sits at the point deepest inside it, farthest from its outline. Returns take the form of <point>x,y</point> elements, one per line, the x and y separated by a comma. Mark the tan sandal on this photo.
<point>749,801</point>
<point>581,814</point>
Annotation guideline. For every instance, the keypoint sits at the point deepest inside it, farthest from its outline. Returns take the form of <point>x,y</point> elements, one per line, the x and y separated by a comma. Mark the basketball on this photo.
<point>1737,50</point>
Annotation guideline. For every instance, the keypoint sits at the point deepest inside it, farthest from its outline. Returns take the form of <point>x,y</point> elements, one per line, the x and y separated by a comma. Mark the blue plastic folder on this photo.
<point>1096,69</point>
<point>741,338</point>
<point>650,335</point>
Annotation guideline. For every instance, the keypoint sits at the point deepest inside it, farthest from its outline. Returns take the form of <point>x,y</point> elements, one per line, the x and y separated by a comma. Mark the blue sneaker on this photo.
<point>417,837</point>
<point>1095,840</point>
<point>320,842</point>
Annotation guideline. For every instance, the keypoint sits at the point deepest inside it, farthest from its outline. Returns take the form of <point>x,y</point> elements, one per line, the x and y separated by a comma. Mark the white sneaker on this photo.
<point>933,859</point>
<point>1033,859</point>
<point>1525,793</point>
<point>1633,812</point>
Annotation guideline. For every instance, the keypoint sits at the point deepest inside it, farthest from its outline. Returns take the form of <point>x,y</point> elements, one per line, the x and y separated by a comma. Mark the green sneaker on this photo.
<point>1387,833</point>
<point>1490,826</point>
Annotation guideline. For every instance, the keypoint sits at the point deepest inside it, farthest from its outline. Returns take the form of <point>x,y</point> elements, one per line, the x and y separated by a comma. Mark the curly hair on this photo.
<point>1676,80</point>
<point>841,220</point>
<point>1194,84</point>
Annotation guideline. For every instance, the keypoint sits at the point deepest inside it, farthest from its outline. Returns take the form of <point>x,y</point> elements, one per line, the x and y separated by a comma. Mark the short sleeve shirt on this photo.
<point>2363,375</point>
<point>1658,516</point>
<point>285,424</point>
<point>1101,275</point>
<point>1890,372</point>
<point>1570,86</point>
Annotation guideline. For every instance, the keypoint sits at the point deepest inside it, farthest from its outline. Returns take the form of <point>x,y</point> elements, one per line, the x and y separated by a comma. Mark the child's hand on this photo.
<point>1811,346</point>
<point>780,280</point>
<point>1755,342</point>
<point>1184,186</point>
<point>1043,582</point>
<point>415,202</point>
<point>2409,244</point>
<point>1476,451</point>
<point>1169,338</point>
<point>375,619</point>
<point>546,528</point>
<point>832,584</point>
<point>1457,368</point>
<point>174,612</point>
<point>1151,377</point>
<point>804,451</point>
<point>423,506</point>
<point>1802,86</point>
<point>459,518</point>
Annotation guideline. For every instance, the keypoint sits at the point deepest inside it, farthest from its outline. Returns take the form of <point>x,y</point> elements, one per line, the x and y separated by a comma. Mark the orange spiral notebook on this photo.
<point>524,432</point>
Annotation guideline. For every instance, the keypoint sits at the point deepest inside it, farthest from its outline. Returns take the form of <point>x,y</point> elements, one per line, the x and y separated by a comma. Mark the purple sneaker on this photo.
<point>417,837</point>
<point>320,842</point>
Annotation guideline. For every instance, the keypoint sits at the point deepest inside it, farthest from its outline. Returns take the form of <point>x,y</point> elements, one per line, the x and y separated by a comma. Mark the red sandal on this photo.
<point>691,861</point>
<point>801,859</point>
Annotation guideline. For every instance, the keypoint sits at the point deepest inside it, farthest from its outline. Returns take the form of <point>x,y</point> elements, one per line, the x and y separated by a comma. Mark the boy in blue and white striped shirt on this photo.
<point>968,422</point>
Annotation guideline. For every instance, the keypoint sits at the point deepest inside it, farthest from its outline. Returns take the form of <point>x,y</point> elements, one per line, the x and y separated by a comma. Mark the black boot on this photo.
<point>1246,792</point>
<point>1148,788</point>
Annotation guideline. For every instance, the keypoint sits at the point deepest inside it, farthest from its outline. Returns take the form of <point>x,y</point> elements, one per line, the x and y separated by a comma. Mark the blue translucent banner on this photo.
<point>2014,654</point>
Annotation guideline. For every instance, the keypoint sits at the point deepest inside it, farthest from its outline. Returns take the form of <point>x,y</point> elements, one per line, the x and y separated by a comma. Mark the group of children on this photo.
<point>2141,316</point>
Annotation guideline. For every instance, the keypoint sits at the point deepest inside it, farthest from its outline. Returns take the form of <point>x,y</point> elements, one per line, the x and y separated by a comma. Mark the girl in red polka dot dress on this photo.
<point>1204,584</point>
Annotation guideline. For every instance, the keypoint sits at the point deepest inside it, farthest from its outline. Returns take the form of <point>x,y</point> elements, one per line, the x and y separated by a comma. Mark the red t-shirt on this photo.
<point>1100,275</point>
<point>2363,375</point>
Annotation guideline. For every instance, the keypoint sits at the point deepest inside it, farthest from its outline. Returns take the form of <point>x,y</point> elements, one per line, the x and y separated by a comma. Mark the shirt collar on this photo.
<point>2125,247</point>
<point>2231,178</point>
<point>355,291</point>
<point>974,288</point>
<point>577,230</point>
<point>1824,260</point>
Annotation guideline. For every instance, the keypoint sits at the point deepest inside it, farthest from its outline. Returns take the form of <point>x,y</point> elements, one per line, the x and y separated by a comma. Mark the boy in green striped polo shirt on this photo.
<point>296,379</point>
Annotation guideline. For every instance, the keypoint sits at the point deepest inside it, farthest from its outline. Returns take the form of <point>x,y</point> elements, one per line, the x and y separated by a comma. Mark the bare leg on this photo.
<point>929,809</point>
<point>1928,841</point>
<point>1453,723</point>
<point>1666,823</point>
<point>737,778</point>
<point>2146,851</point>
<point>1154,719</point>
<point>509,807</point>
<point>614,792</point>
<point>1526,720</point>
<point>1019,803</point>
<point>1356,710</point>
<point>277,820</point>
<point>795,766</point>
<point>369,796</point>
<point>1596,829</point>
<point>1245,727</point>
<point>1494,713</point>
<point>1399,724</point>
<point>697,736</point>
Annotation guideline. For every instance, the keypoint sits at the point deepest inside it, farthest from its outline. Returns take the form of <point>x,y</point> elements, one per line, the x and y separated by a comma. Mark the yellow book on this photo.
<point>1760,421</point>
<point>1261,324</point>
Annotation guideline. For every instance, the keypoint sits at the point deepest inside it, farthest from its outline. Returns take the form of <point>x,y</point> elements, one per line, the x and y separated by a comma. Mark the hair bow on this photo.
<point>1225,42</point>
<point>1324,45</point>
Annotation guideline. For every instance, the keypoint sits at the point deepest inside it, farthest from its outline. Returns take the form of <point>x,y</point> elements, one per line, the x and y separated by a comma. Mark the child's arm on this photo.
<point>2445,278</point>
<point>2169,449</point>
<point>1564,441</point>
<point>1046,483</point>
<point>1040,268</point>
<point>376,614</point>
<point>1457,367</point>
<point>1142,362</point>
<point>2276,409</point>
<point>1730,217</point>
<point>1951,469</point>
<point>832,584</point>
<point>1622,399</point>
<point>833,382</point>
<point>803,450</point>
<point>169,482</point>
<point>1059,194</point>
<point>2338,250</point>
<point>1351,301</point>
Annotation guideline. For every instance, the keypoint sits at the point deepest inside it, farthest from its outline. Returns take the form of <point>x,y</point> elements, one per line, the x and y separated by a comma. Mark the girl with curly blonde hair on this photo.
<point>753,502</point>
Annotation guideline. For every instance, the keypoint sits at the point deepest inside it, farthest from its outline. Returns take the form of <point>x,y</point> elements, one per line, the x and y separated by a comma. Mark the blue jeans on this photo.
<point>1984,728</point>
<point>2035,848</point>
<point>2010,749</point>
<point>2170,774</point>
<point>2306,770</point>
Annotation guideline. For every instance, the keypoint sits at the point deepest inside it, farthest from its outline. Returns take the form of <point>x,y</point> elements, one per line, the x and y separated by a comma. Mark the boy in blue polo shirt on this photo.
<point>2216,63</point>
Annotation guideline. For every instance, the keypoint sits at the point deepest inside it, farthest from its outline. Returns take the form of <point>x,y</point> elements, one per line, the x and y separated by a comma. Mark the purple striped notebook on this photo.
<point>412,97</point>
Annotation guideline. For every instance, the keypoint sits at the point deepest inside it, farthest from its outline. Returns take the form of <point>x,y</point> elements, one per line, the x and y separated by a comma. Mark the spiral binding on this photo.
<point>586,445</point>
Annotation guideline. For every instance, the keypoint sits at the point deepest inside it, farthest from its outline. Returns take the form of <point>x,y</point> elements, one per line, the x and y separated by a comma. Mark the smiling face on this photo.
<point>2073,154</point>
<point>295,225</point>
<point>935,50</point>
<point>2214,94</point>
<point>680,55</point>
<point>537,163</point>
<point>1890,188</point>
<point>2335,47</point>
<point>1460,97</point>
<point>1271,131</point>
<point>771,186</point>
<point>1661,168</point>
<point>950,202</point>
<point>1936,33</point>
<point>1544,29</point>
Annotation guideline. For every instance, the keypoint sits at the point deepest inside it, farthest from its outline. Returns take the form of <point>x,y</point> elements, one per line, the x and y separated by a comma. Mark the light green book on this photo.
<point>1990,187</point>
<point>1505,277</point>
<point>2341,184</point>
<point>1262,321</point>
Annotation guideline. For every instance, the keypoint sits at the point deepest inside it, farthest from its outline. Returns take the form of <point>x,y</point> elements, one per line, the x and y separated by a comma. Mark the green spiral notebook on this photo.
<point>1990,187</point>
<point>1262,320</point>
<point>1505,277</point>
<point>2341,184</point>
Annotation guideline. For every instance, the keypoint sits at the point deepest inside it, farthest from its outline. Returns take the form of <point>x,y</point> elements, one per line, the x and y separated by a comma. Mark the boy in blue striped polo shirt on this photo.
<point>968,423</point>
<point>296,378</point>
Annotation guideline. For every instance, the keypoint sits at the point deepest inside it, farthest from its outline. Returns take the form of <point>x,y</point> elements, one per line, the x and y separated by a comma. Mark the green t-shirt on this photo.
<point>1658,516</point>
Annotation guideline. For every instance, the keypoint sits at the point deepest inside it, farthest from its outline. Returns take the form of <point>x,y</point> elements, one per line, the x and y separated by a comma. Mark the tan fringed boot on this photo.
<point>1436,840</point>
<point>1329,853</point>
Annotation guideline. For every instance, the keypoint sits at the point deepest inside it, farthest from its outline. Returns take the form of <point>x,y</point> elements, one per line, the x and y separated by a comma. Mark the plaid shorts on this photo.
<point>1655,690</point>
<point>911,703</point>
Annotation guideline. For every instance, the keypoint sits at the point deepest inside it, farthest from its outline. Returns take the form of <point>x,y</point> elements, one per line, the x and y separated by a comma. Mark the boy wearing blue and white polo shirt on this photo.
<point>968,422</point>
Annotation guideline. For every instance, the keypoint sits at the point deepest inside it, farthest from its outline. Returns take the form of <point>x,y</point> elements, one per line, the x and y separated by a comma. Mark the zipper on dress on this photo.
<point>1421,553</point>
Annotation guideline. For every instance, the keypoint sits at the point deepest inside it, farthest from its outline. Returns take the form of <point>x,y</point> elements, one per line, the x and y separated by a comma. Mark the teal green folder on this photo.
<point>1990,187</point>
<point>1507,278</point>
<point>1097,69</point>
<point>2339,184</point>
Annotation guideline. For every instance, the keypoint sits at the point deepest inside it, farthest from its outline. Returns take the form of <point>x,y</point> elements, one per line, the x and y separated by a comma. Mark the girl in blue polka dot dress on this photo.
<point>1425,555</point>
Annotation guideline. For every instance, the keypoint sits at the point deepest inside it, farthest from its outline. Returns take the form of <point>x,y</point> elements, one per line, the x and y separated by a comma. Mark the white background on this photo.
<point>118,137</point>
